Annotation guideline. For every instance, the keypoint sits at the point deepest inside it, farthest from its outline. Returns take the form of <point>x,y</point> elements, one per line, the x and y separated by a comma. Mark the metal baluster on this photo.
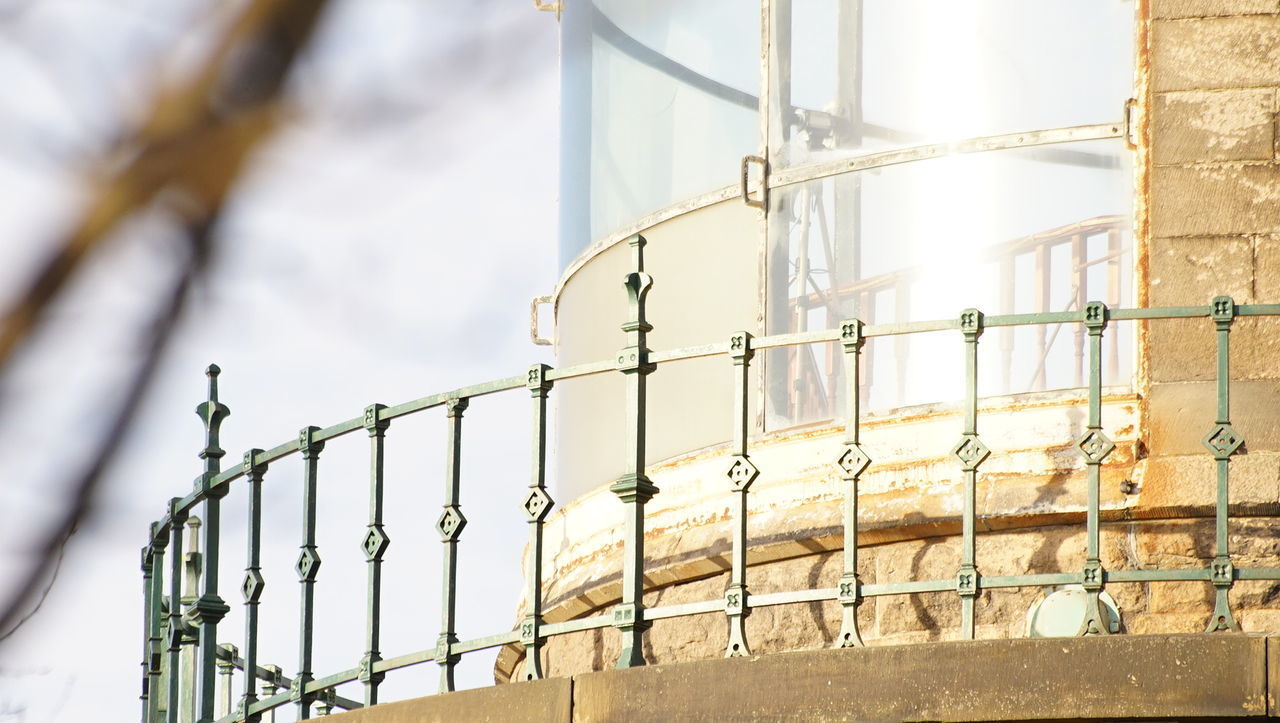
<point>147,561</point>
<point>633,487</point>
<point>271,686</point>
<point>208,609</point>
<point>450,525</point>
<point>971,452</point>
<point>226,669</point>
<point>1094,446</point>
<point>308,567</point>
<point>375,545</point>
<point>1222,441</point>
<point>741,473</point>
<point>253,583</point>
<point>176,520</point>
<point>190,648</point>
<point>853,461</point>
<point>157,541</point>
<point>537,505</point>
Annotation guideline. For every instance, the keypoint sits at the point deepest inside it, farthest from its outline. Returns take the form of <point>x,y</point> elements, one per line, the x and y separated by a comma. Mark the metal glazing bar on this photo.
<point>1222,441</point>
<point>450,526</point>
<point>1028,139</point>
<point>1094,446</point>
<point>971,452</point>
<point>634,488</point>
<point>307,567</point>
<point>254,583</point>
<point>176,626</point>
<point>374,544</point>
<point>853,461</point>
<point>741,473</point>
<point>208,609</point>
<point>537,505</point>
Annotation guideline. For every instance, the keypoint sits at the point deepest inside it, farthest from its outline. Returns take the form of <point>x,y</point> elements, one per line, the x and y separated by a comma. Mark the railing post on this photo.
<point>374,544</point>
<point>450,526</point>
<point>271,686</point>
<point>853,461</point>
<point>1094,446</point>
<point>307,567</point>
<point>1222,442</point>
<point>176,628</point>
<point>252,586</point>
<point>153,584</point>
<point>971,452</point>
<point>208,609</point>
<point>192,563</point>
<point>741,473</point>
<point>226,669</point>
<point>537,505</point>
<point>633,487</point>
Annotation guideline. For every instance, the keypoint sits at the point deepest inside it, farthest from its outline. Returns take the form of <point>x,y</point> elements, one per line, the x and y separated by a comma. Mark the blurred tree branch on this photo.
<point>193,146</point>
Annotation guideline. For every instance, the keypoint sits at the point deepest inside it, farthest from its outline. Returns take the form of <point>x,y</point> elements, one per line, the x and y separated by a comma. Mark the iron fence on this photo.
<point>183,657</point>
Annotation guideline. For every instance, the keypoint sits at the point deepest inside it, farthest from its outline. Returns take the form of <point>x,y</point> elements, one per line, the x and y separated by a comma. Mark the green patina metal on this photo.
<point>253,584</point>
<point>537,505</point>
<point>307,567</point>
<point>853,461</point>
<point>971,452</point>
<point>374,544</point>
<point>208,609</point>
<point>1222,441</point>
<point>741,473</point>
<point>1094,446</point>
<point>450,526</point>
<point>182,662</point>
<point>634,487</point>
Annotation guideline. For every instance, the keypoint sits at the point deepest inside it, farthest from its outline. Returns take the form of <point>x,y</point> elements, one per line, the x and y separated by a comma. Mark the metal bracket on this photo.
<point>1131,123</point>
<point>747,162</point>
<point>534,333</point>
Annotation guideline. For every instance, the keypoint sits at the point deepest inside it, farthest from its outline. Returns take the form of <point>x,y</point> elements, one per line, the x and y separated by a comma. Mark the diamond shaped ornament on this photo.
<point>1223,441</point>
<point>451,523</point>
<point>741,473</point>
<point>971,452</point>
<point>375,543</point>
<point>537,504</point>
<point>1095,446</point>
<point>252,586</point>
<point>308,565</point>
<point>853,461</point>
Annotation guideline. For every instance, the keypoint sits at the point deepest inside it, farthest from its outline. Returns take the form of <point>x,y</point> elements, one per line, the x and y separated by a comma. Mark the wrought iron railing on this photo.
<point>178,627</point>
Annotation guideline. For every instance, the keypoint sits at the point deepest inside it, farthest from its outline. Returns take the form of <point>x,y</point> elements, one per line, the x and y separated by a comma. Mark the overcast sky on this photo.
<point>385,246</point>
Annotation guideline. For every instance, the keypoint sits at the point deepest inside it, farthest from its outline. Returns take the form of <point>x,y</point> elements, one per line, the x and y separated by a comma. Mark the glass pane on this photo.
<point>1017,231</point>
<point>855,76</point>
<point>666,112</point>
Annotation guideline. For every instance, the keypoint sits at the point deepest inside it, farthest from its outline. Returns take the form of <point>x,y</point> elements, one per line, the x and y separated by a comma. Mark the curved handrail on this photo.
<point>630,617</point>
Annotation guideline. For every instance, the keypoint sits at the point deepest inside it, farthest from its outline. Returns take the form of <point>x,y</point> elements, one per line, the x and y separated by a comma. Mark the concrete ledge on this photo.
<point>542,700</point>
<point>1120,677</point>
